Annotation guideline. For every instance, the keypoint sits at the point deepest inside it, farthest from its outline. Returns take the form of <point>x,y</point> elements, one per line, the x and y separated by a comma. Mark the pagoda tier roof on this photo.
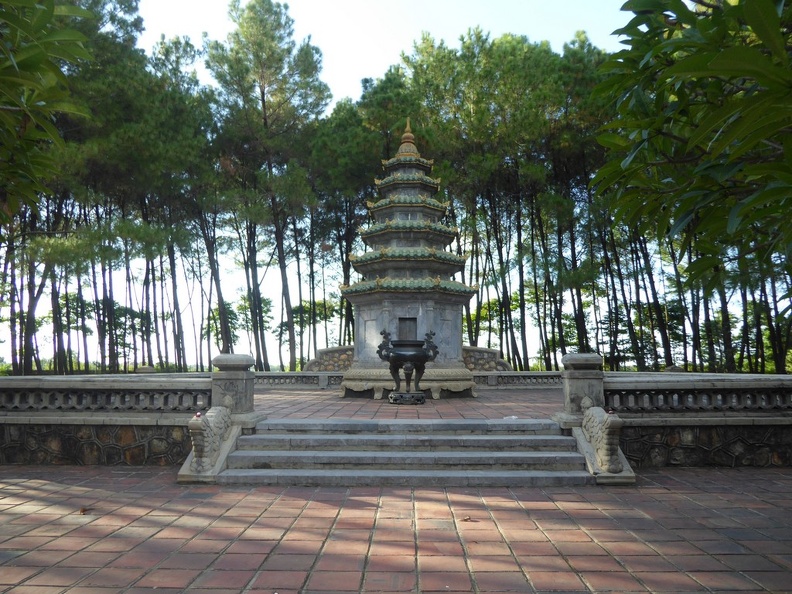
<point>408,179</point>
<point>407,200</point>
<point>408,285</point>
<point>412,226</point>
<point>408,161</point>
<point>408,253</point>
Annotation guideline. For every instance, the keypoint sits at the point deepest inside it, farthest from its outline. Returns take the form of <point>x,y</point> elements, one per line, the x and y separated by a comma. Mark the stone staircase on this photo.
<point>409,453</point>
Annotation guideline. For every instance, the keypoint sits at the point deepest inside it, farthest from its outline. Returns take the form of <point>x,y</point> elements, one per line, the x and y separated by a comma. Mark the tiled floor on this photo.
<point>129,530</point>
<point>535,403</point>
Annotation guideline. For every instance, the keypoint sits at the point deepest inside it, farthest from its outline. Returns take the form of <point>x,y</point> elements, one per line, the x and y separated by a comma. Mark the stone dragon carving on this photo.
<point>207,432</point>
<point>602,431</point>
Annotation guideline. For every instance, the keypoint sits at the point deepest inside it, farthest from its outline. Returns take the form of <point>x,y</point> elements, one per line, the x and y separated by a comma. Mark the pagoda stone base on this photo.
<point>438,382</point>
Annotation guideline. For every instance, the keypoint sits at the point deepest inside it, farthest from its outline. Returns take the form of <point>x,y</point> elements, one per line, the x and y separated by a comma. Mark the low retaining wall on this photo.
<point>109,420</point>
<point>729,442</point>
<point>687,419</point>
<point>339,359</point>
<point>700,419</point>
<point>78,440</point>
<point>120,419</point>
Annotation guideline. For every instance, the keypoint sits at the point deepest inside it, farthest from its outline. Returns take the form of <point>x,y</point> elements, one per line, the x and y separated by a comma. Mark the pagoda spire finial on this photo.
<point>407,141</point>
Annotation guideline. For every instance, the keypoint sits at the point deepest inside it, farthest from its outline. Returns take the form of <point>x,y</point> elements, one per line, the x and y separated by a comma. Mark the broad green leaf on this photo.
<point>763,18</point>
<point>742,61</point>
<point>613,141</point>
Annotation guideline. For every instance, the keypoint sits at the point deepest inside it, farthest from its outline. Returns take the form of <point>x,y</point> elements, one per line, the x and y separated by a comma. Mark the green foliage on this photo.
<point>34,47</point>
<point>701,145</point>
<point>212,328</point>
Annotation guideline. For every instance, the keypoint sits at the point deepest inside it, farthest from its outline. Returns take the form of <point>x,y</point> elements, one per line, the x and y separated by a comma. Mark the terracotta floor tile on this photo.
<point>504,563</point>
<point>725,547</point>
<point>340,563</point>
<point>40,558</point>
<point>255,547</point>
<point>188,561</point>
<point>212,578</point>
<point>696,563</point>
<point>441,564</point>
<point>239,561</point>
<point>612,582</point>
<point>638,563</point>
<point>588,563</point>
<point>719,581</point>
<point>772,581</point>
<point>502,581</point>
<point>267,580</point>
<point>440,547</point>
<point>445,581</point>
<point>288,562</point>
<point>386,581</point>
<point>16,575</point>
<point>749,563</point>
<point>335,581</point>
<point>627,548</point>
<point>59,576</point>
<point>543,564</point>
<point>546,581</point>
<point>113,577</point>
<point>397,547</point>
<point>168,578</point>
<point>668,581</point>
<point>580,548</point>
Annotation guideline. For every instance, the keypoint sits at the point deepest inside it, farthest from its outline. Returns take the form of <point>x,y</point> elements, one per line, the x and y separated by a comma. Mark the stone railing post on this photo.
<point>583,378</point>
<point>232,384</point>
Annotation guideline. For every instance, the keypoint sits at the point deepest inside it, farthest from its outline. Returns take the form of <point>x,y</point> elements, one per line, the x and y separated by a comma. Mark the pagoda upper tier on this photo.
<point>408,240</point>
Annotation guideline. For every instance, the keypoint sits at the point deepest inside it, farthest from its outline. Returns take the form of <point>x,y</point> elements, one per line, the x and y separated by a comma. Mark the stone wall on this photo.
<point>110,445</point>
<point>339,359</point>
<point>333,359</point>
<point>707,445</point>
<point>480,359</point>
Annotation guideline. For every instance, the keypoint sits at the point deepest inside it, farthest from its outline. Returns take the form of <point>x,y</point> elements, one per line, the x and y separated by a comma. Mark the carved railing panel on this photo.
<point>98,400</point>
<point>642,393</point>
<point>105,393</point>
<point>518,379</point>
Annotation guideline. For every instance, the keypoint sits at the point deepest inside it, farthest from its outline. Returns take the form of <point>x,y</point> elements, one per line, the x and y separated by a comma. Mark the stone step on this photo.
<point>403,426</point>
<point>406,452</point>
<point>406,460</point>
<point>405,478</point>
<point>407,441</point>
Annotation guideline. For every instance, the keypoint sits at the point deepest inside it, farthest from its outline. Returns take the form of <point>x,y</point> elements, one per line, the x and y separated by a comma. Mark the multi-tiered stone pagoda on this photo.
<point>407,288</point>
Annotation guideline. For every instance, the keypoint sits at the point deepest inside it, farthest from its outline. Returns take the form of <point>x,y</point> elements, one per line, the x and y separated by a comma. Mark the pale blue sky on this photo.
<point>362,38</point>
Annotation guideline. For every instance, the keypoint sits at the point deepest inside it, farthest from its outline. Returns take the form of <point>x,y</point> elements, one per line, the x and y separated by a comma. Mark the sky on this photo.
<point>362,38</point>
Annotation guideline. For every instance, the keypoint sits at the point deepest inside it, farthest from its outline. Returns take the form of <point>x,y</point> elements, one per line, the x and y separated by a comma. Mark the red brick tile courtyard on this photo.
<point>128,530</point>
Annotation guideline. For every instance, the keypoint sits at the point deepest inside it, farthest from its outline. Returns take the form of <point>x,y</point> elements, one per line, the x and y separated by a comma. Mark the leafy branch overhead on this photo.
<point>34,50</point>
<point>701,145</point>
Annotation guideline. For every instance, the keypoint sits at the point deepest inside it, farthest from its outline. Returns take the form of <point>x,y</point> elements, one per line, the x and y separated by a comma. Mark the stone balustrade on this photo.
<point>106,393</point>
<point>124,419</point>
<point>696,392</point>
<point>685,419</point>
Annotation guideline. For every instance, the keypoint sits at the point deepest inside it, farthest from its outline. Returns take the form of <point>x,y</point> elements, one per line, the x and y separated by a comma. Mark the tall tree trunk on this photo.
<point>280,248</point>
<point>59,362</point>
<point>726,329</point>
<point>660,320</point>
<point>210,242</point>
<point>34,292</point>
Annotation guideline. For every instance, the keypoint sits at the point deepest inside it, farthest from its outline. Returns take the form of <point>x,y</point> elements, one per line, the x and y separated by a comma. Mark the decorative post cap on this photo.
<point>226,362</point>
<point>582,361</point>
